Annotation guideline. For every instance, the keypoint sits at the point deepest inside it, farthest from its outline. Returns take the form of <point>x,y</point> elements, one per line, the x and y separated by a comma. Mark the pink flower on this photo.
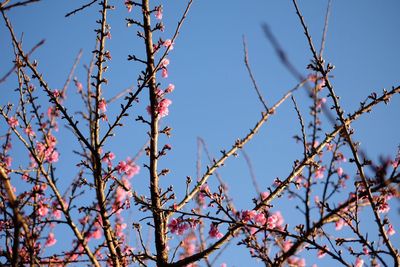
<point>50,240</point>
<point>260,219</point>
<point>178,226</point>
<point>97,233</point>
<point>57,214</point>
<point>162,107</point>
<point>108,157</point>
<point>170,88</point>
<point>13,122</point>
<point>383,207</point>
<point>214,232</point>
<point>164,73</point>
<point>319,173</point>
<point>339,224</point>
<point>168,44</point>
<point>28,130</point>
<point>248,215</point>
<point>390,230</point>
<point>271,221</point>
<point>339,171</point>
<point>359,262</point>
<point>287,244</point>
<point>42,210</point>
<point>296,262</point>
<point>102,105</point>
<point>52,157</point>
<point>128,167</point>
<point>78,85</point>
<point>321,253</point>
<point>128,5</point>
<point>159,13</point>
<point>164,63</point>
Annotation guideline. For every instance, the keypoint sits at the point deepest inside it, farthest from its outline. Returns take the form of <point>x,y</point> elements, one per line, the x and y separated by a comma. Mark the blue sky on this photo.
<point>214,98</point>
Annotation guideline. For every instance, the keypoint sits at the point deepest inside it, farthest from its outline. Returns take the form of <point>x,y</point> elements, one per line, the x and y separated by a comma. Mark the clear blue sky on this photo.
<point>214,97</point>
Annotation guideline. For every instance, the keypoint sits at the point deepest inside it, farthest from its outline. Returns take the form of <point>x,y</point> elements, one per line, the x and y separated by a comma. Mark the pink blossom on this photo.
<point>178,226</point>
<point>271,221</point>
<point>248,215</point>
<point>102,105</point>
<point>128,5</point>
<point>260,219</point>
<point>319,173</point>
<point>339,171</point>
<point>57,214</point>
<point>383,207</point>
<point>224,265</point>
<point>108,157</point>
<point>28,130</point>
<point>170,88</point>
<point>164,63</point>
<point>164,73</point>
<point>52,157</point>
<point>321,253</point>
<point>214,232</point>
<point>7,161</point>
<point>168,44</point>
<point>296,262</point>
<point>159,13</point>
<point>128,167</point>
<point>287,244</point>
<point>97,233</point>
<point>78,85</point>
<point>339,224</point>
<point>390,230</point>
<point>162,107</point>
<point>359,262</point>
<point>13,122</point>
<point>50,240</point>
<point>43,209</point>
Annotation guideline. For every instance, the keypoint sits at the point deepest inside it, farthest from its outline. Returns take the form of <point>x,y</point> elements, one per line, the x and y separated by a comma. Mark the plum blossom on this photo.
<point>319,173</point>
<point>102,105</point>
<point>390,230</point>
<point>339,171</point>
<point>108,157</point>
<point>168,44</point>
<point>214,232</point>
<point>165,62</point>
<point>128,5</point>
<point>339,224</point>
<point>13,122</point>
<point>170,88</point>
<point>43,209</point>
<point>50,240</point>
<point>159,13</point>
<point>359,262</point>
<point>178,226</point>
<point>78,85</point>
<point>162,108</point>
<point>128,167</point>
<point>322,253</point>
<point>296,262</point>
<point>164,73</point>
<point>28,130</point>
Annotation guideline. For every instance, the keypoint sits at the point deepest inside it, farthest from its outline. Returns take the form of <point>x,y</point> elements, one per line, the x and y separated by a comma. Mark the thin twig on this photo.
<point>253,80</point>
<point>23,3</point>
<point>81,8</point>
<point>4,78</point>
